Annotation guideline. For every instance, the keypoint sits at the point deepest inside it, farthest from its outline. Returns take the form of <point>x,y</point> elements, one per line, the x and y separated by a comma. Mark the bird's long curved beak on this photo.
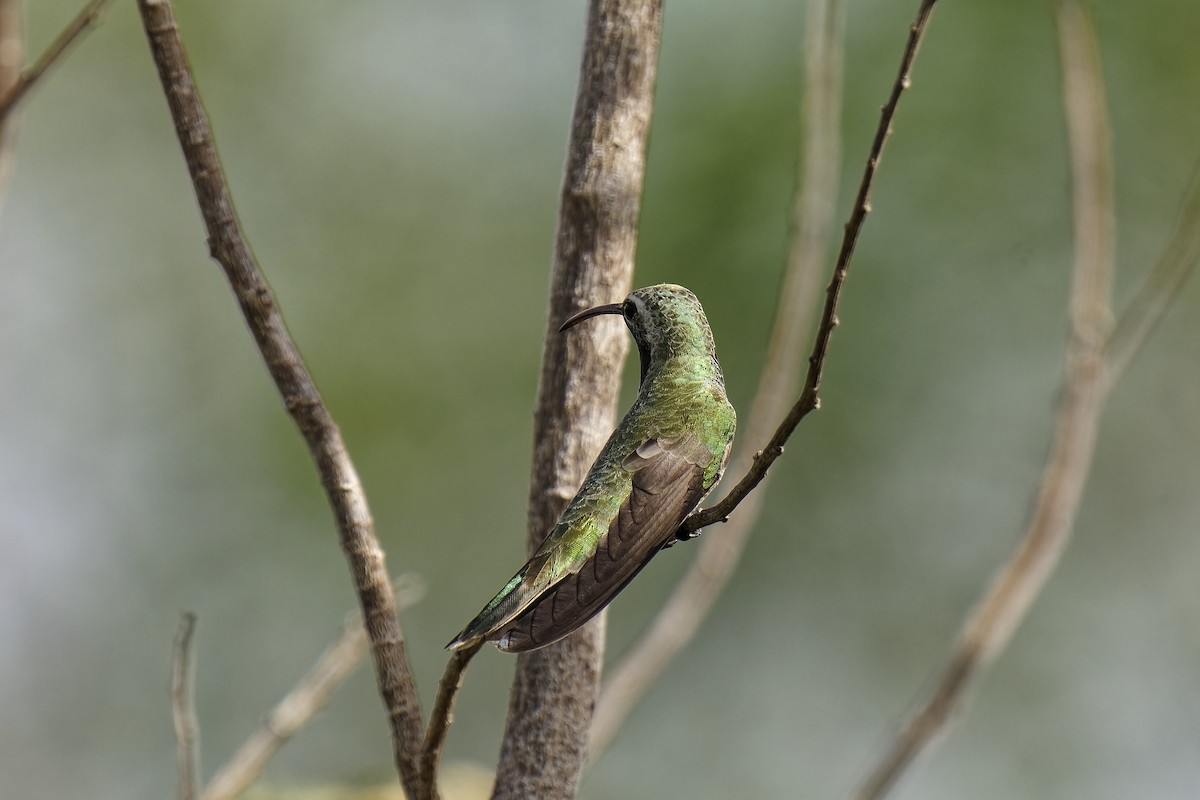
<point>612,308</point>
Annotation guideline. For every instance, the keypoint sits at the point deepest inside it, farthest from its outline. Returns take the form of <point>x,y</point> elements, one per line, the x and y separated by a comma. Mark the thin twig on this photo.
<point>810,395</point>
<point>1160,288</point>
<point>990,627</point>
<point>443,711</point>
<point>554,692</point>
<point>813,215</point>
<point>12,57</point>
<point>295,384</point>
<point>87,18</point>
<point>183,708</point>
<point>303,702</point>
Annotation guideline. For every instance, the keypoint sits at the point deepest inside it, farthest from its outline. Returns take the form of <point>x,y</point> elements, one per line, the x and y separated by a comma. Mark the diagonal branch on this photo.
<point>991,626</point>
<point>12,57</point>
<point>303,702</point>
<point>1160,288</point>
<point>813,213</point>
<point>87,18</point>
<point>810,395</point>
<point>679,620</point>
<point>296,386</point>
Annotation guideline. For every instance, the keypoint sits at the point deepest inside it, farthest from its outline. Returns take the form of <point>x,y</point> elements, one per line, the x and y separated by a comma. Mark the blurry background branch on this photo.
<point>12,94</point>
<point>300,395</point>
<point>1006,603</point>
<point>12,56</point>
<point>812,219</point>
<point>550,708</point>
<point>15,83</point>
<point>183,708</point>
<point>304,701</point>
<point>1158,290</point>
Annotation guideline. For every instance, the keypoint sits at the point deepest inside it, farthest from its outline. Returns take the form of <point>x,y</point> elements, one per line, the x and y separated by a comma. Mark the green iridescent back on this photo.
<point>665,456</point>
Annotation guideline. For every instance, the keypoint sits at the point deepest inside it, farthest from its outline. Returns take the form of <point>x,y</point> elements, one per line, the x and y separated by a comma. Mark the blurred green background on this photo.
<point>397,166</point>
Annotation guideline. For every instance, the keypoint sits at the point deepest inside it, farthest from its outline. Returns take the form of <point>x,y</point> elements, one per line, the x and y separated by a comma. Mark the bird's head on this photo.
<point>666,322</point>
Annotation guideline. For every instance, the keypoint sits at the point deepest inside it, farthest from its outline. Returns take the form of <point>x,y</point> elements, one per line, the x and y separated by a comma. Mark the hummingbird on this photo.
<point>663,459</point>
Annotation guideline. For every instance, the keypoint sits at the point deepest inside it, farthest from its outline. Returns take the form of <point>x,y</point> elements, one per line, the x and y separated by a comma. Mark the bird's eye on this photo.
<point>629,310</point>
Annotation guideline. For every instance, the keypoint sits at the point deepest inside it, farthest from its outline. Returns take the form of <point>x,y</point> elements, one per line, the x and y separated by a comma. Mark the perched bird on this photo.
<point>665,456</point>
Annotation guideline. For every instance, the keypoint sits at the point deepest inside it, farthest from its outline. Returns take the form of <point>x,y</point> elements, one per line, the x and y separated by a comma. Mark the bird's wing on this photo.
<point>667,477</point>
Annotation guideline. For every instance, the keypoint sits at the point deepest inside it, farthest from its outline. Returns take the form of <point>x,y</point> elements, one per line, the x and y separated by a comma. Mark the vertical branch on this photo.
<point>812,224</point>
<point>300,396</point>
<point>991,626</point>
<point>554,691</point>
<point>183,707</point>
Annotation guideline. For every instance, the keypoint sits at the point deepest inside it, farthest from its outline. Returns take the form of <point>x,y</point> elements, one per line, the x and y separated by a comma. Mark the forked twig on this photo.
<point>183,708</point>
<point>303,702</point>
<point>303,401</point>
<point>813,218</point>
<point>87,17</point>
<point>990,627</point>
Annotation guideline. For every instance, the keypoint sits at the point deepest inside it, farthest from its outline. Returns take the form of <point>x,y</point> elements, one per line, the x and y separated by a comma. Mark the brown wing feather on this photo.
<point>667,483</point>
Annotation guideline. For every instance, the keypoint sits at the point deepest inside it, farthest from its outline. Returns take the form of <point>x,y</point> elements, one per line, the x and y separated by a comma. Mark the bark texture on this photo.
<point>339,478</point>
<point>554,692</point>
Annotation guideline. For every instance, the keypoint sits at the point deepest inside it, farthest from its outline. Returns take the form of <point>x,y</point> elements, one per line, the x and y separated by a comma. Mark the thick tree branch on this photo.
<point>550,709</point>
<point>183,708</point>
<point>303,702</point>
<point>812,224</point>
<point>295,384</point>
<point>991,626</point>
<point>810,395</point>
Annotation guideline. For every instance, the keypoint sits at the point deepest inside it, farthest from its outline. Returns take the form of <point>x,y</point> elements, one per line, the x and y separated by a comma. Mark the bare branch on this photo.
<point>299,392</point>
<point>990,627</point>
<point>810,395</point>
<point>812,224</point>
<point>305,700</point>
<point>550,709</point>
<point>183,708</point>
<point>87,18</point>
<point>443,712</point>
<point>12,57</point>
<point>12,44</point>
<point>1160,288</point>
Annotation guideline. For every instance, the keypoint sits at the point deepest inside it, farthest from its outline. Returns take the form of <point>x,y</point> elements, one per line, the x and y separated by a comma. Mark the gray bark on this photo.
<point>554,692</point>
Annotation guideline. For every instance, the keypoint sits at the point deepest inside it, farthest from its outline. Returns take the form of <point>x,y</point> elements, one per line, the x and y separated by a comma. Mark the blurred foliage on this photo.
<point>397,166</point>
